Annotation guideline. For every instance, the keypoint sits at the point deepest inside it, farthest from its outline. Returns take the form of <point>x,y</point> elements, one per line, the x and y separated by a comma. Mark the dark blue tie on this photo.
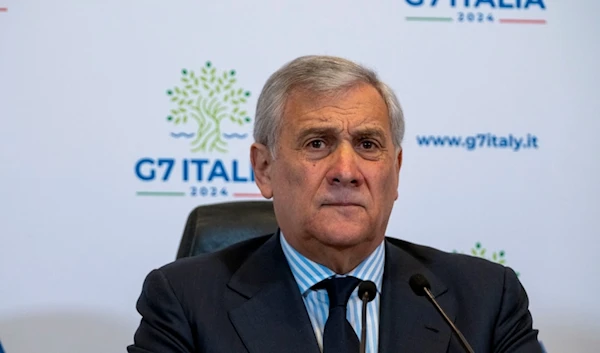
<point>339,336</point>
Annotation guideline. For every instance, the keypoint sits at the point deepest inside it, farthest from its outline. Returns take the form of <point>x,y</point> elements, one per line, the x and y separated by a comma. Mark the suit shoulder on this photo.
<point>215,267</point>
<point>452,265</point>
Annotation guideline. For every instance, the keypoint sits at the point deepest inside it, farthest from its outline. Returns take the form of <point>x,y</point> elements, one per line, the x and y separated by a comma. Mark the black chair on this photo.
<point>213,227</point>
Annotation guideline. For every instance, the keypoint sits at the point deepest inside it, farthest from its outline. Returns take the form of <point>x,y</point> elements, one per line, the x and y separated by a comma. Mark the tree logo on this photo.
<point>204,100</point>
<point>498,257</point>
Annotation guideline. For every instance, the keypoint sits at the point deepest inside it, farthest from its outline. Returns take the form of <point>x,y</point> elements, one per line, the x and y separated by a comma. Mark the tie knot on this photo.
<point>339,289</point>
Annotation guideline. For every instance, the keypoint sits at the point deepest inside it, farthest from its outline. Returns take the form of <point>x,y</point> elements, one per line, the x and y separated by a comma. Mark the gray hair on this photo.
<point>317,74</point>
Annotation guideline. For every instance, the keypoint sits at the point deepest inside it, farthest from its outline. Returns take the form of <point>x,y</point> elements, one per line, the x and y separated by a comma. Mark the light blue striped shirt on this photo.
<point>308,273</point>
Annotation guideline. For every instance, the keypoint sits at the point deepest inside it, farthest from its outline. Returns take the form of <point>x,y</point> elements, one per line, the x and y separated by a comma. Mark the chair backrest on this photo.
<point>213,227</point>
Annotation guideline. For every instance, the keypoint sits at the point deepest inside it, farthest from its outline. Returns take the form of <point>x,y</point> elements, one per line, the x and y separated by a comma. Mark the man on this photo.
<point>328,152</point>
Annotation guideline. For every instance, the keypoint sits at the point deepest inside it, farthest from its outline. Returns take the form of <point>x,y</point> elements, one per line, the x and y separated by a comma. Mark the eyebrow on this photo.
<point>317,131</point>
<point>360,132</point>
<point>375,132</point>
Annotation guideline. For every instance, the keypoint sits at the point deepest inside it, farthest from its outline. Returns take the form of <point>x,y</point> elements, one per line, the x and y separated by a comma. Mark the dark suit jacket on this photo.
<point>245,299</point>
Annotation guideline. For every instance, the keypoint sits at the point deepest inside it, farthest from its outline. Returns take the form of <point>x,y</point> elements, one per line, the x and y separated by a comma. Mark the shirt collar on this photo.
<point>308,273</point>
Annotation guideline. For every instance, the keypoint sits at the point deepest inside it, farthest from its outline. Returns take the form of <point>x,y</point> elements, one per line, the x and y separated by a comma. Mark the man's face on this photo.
<point>335,176</point>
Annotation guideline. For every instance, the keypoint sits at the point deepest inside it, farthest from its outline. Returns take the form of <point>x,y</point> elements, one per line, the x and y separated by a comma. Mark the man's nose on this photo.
<point>344,169</point>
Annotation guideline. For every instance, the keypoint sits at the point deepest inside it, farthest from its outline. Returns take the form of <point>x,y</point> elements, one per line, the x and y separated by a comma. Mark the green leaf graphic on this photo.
<point>479,251</point>
<point>204,100</point>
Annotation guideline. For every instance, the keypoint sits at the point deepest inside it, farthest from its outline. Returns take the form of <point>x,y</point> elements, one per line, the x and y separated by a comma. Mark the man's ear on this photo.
<point>261,160</point>
<point>398,166</point>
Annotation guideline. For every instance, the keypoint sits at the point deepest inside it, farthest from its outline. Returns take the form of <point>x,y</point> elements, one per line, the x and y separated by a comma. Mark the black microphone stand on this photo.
<point>363,328</point>
<point>366,292</point>
<point>461,338</point>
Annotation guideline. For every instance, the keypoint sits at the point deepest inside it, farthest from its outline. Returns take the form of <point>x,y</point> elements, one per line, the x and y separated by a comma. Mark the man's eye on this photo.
<point>316,144</point>
<point>368,145</point>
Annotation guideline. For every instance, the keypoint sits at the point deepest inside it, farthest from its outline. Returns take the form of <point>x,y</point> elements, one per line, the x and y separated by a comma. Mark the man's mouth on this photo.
<point>342,204</point>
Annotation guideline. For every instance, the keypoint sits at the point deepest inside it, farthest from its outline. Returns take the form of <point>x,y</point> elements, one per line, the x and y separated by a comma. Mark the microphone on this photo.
<point>420,285</point>
<point>367,290</point>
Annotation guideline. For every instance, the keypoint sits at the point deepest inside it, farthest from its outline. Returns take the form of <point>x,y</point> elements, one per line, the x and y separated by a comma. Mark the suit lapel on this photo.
<point>409,323</point>
<point>274,315</point>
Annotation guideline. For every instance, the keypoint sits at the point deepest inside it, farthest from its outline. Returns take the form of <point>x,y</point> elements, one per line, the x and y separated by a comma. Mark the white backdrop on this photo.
<point>83,98</point>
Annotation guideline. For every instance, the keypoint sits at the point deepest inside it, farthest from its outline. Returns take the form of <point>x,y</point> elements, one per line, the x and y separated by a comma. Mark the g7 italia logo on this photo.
<point>199,105</point>
<point>530,12</point>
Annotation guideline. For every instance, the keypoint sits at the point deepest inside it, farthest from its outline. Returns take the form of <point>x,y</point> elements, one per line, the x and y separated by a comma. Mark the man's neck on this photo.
<point>339,260</point>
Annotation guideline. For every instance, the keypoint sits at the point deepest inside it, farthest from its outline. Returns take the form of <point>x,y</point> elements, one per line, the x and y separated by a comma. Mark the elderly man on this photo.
<point>328,152</point>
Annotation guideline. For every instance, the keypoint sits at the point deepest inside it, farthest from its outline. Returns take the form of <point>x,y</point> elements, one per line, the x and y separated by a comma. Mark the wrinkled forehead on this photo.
<point>307,92</point>
<point>359,104</point>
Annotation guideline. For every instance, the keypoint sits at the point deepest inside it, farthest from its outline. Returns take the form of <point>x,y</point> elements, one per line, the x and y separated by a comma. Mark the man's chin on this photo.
<point>343,236</point>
